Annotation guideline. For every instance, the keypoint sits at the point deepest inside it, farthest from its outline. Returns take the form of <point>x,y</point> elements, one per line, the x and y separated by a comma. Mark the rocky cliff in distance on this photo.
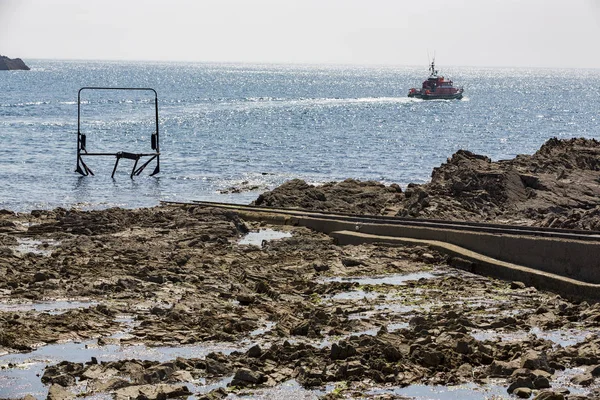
<point>12,64</point>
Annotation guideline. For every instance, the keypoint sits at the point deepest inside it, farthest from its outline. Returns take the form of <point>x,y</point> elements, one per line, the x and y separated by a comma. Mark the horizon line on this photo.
<point>304,63</point>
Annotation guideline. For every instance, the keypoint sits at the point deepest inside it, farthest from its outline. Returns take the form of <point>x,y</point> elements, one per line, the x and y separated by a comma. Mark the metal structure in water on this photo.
<point>82,167</point>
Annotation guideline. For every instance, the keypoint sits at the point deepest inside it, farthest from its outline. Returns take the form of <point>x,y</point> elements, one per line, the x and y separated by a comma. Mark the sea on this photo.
<point>228,131</point>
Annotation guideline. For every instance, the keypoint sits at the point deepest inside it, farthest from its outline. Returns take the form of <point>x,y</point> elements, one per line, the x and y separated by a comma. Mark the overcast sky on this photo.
<point>525,33</point>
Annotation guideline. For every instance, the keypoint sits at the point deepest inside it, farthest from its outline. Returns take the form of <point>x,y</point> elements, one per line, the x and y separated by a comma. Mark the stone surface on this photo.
<point>549,395</point>
<point>152,392</point>
<point>245,377</point>
<point>522,392</point>
<point>57,392</point>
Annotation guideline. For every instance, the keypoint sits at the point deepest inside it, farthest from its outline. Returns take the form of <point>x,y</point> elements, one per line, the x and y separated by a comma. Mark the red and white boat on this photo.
<point>436,87</point>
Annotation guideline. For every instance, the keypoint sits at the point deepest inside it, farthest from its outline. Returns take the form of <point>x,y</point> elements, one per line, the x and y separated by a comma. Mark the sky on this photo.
<point>494,33</point>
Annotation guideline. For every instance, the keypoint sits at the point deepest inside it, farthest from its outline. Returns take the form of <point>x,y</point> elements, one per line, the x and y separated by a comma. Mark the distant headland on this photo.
<point>11,64</point>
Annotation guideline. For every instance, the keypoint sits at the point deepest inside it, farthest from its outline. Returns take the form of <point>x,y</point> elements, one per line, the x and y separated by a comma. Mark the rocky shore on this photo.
<point>555,187</point>
<point>167,302</point>
<point>7,64</point>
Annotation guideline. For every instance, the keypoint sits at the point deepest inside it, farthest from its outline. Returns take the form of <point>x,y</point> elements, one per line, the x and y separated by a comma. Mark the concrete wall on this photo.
<point>574,259</point>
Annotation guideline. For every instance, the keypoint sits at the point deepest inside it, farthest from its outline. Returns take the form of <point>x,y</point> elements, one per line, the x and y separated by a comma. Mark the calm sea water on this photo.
<point>225,125</point>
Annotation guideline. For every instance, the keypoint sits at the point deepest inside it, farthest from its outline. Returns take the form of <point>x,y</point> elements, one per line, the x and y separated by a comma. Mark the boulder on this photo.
<point>342,350</point>
<point>549,395</point>
<point>254,351</point>
<point>57,392</point>
<point>535,360</point>
<point>520,383</point>
<point>503,368</point>
<point>522,392</point>
<point>245,377</point>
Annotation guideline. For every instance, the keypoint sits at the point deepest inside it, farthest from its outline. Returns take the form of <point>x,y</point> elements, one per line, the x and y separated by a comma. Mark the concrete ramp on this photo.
<point>483,265</point>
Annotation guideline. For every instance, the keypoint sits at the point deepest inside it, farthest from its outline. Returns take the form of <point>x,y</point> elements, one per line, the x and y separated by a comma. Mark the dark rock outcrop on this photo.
<point>12,64</point>
<point>555,187</point>
<point>347,196</point>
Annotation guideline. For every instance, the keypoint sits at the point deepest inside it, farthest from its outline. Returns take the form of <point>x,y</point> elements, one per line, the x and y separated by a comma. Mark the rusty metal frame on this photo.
<point>82,167</point>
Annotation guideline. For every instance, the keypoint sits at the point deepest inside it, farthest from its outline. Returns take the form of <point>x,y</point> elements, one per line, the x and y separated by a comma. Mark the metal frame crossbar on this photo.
<point>82,167</point>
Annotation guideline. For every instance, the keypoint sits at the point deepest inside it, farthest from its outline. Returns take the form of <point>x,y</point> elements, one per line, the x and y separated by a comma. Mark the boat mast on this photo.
<point>432,68</point>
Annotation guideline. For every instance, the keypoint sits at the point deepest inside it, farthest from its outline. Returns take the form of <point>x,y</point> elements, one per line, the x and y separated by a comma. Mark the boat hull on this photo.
<point>456,96</point>
<point>434,96</point>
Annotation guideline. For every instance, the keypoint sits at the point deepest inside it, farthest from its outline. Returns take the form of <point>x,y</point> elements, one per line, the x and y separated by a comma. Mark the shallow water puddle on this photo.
<point>563,379</point>
<point>50,307</point>
<point>84,351</point>
<point>357,295</point>
<point>261,331</point>
<point>27,245</point>
<point>394,279</point>
<point>22,380</point>
<point>23,375</point>
<point>438,392</point>
<point>257,238</point>
<point>564,338</point>
<point>286,390</point>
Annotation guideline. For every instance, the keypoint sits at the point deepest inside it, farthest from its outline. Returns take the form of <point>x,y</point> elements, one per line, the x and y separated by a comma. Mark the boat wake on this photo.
<point>329,101</point>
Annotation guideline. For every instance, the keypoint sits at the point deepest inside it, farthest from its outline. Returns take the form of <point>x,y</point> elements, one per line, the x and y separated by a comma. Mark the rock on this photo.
<point>254,351</point>
<point>245,377</point>
<point>217,394</point>
<point>301,329</point>
<point>246,299</point>
<point>391,353</point>
<point>534,360</point>
<point>522,392</point>
<point>354,369</point>
<point>583,379</point>
<point>12,64</point>
<point>549,395</point>
<point>351,262</point>
<point>347,196</point>
<point>181,376</point>
<point>541,382</point>
<point>594,370</point>
<point>431,357</point>
<point>465,370</point>
<point>94,371</point>
<point>40,276</point>
<point>517,285</point>
<point>341,351</point>
<point>520,383</point>
<point>159,373</point>
<point>319,267</point>
<point>462,347</point>
<point>57,392</point>
<point>215,367</point>
<point>107,385</point>
<point>503,368</point>
<point>152,392</point>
